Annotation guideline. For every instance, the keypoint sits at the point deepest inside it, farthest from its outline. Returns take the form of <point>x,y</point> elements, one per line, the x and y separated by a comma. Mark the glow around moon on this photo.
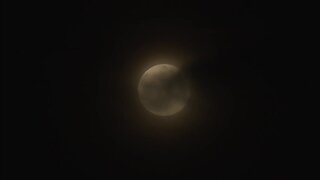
<point>163,90</point>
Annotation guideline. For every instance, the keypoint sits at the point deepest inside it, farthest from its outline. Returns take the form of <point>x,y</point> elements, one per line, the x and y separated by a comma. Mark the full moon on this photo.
<point>163,90</point>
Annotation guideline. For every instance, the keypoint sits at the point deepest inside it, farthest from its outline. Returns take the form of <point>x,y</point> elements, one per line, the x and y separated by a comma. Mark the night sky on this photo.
<point>70,91</point>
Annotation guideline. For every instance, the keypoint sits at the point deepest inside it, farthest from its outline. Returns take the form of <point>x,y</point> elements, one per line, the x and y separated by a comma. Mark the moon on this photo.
<point>163,90</point>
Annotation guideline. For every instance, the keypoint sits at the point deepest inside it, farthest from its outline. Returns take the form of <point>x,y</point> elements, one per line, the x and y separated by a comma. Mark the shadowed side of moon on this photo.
<point>163,90</point>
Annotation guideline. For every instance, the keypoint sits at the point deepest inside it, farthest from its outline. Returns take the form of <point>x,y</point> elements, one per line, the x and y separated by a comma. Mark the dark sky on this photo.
<point>71,107</point>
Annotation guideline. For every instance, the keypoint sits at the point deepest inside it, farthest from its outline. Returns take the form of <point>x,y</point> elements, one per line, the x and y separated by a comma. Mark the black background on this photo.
<point>70,113</point>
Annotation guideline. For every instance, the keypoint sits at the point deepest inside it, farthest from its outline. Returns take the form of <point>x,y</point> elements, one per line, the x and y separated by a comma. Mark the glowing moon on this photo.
<point>163,90</point>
